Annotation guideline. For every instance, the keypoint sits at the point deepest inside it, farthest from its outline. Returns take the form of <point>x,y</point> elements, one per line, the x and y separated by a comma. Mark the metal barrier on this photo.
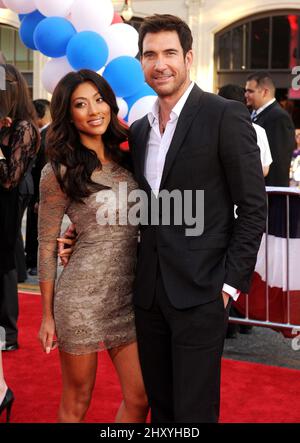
<point>275,291</point>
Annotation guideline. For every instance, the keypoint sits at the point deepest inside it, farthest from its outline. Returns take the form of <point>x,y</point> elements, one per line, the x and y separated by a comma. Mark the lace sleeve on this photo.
<point>23,146</point>
<point>52,207</point>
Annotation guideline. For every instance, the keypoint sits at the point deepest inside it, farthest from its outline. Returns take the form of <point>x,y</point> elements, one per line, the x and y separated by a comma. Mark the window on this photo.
<point>260,31</point>
<point>267,42</point>
<point>8,43</point>
<point>239,45</point>
<point>285,30</point>
<point>225,50</point>
<point>16,53</point>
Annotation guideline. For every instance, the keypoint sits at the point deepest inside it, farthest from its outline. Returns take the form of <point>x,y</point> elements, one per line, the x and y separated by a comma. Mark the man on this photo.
<point>236,92</point>
<point>42,108</point>
<point>260,96</point>
<point>191,140</point>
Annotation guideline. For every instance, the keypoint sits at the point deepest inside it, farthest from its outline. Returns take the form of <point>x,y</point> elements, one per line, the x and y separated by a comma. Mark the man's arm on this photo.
<point>240,157</point>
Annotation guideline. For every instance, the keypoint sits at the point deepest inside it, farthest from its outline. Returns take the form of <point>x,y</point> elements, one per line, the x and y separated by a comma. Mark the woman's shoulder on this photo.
<point>49,170</point>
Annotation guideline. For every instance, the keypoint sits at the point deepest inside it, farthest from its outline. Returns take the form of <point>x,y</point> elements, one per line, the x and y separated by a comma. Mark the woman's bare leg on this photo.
<point>134,407</point>
<point>78,376</point>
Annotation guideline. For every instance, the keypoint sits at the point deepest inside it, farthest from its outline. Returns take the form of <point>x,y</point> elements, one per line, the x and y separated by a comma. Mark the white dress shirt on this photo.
<point>263,144</point>
<point>157,149</point>
<point>158,144</point>
<point>44,127</point>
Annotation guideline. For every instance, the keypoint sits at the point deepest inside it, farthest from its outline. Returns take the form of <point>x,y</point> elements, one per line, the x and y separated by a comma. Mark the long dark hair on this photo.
<point>15,101</point>
<point>64,147</point>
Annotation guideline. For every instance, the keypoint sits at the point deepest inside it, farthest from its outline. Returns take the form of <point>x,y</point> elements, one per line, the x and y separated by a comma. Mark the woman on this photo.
<point>19,141</point>
<point>90,308</point>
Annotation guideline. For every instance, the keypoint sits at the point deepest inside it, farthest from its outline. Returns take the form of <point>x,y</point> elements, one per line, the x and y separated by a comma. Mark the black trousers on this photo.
<point>9,306</point>
<point>180,353</point>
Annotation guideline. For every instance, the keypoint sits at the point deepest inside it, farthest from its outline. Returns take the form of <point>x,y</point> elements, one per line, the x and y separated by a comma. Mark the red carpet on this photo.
<point>250,392</point>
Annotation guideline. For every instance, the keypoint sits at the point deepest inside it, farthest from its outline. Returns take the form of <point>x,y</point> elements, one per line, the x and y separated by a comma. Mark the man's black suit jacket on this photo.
<point>281,136</point>
<point>213,149</point>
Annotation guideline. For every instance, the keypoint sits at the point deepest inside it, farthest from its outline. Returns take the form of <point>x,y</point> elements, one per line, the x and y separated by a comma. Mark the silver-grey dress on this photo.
<point>93,296</point>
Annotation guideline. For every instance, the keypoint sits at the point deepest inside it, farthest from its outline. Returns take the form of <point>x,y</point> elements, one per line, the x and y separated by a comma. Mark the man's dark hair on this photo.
<point>233,92</point>
<point>41,105</point>
<point>166,22</point>
<point>262,79</point>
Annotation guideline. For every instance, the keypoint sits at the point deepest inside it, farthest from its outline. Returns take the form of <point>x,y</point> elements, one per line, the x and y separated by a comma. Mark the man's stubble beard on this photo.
<point>174,90</point>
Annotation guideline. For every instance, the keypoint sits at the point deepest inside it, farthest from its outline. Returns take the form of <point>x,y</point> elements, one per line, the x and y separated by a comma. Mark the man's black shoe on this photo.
<point>12,347</point>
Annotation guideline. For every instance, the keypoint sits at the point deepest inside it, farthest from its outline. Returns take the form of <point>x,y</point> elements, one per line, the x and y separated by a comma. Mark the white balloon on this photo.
<point>122,39</point>
<point>56,8</point>
<point>53,71</point>
<point>123,107</point>
<point>140,108</point>
<point>2,5</point>
<point>92,15</point>
<point>20,6</point>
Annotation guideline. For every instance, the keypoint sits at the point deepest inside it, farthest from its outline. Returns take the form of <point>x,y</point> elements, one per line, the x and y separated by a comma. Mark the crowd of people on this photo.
<point>160,305</point>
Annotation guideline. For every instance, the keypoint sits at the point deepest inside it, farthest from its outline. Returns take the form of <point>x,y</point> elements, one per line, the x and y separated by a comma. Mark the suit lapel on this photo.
<point>187,115</point>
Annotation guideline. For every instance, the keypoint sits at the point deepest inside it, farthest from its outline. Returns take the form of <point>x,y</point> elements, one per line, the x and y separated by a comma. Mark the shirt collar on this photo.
<point>153,115</point>
<point>265,105</point>
<point>44,127</point>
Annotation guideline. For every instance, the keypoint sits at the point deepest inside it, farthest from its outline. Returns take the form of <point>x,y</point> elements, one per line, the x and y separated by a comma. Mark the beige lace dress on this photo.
<point>92,300</point>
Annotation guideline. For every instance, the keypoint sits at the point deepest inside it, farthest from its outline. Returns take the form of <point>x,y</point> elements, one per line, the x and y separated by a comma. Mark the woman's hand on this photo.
<point>47,334</point>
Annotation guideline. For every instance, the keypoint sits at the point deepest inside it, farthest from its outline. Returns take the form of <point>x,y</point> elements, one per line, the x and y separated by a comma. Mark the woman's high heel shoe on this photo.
<point>7,404</point>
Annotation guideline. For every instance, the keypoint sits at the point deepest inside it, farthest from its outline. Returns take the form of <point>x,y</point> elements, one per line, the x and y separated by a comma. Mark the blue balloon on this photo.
<point>28,26</point>
<point>52,36</point>
<point>125,75</point>
<point>145,90</point>
<point>21,16</point>
<point>87,50</point>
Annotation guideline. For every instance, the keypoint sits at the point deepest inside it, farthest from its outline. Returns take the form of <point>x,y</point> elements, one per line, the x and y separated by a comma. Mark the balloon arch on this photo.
<point>86,34</point>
